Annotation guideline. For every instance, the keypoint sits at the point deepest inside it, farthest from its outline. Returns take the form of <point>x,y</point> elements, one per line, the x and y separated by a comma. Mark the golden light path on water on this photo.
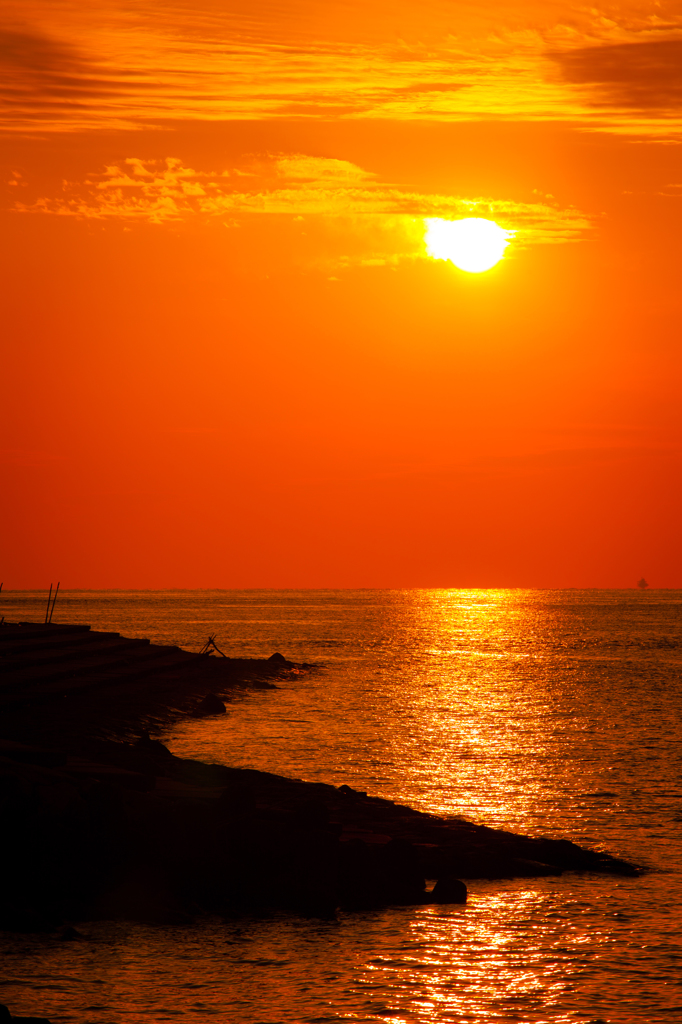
<point>538,712</point>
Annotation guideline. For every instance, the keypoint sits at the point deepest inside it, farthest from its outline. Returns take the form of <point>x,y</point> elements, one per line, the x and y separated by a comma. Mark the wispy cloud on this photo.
<point>296,185</point>
<point>46,83</point>
<point>637,76</point>
<point>65,65</point>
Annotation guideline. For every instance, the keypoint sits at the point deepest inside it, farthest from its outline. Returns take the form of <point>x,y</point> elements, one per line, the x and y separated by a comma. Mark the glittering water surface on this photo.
<point>551,713</point>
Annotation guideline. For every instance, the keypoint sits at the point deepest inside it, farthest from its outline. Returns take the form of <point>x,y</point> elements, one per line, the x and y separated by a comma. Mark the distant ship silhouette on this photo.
<point>642,584</point>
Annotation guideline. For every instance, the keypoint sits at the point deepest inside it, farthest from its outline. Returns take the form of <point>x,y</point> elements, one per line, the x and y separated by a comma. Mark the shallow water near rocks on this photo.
<point>550,713</point>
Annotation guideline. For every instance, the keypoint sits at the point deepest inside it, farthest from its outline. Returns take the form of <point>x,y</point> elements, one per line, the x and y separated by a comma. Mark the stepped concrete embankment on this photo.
<point>73,681</point>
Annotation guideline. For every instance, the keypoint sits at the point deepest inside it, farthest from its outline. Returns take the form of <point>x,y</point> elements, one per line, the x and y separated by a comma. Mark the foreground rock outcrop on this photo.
<point>130,831</point>
<point>71,681</point>
<point>109,828</point>
<point>6,1018</point>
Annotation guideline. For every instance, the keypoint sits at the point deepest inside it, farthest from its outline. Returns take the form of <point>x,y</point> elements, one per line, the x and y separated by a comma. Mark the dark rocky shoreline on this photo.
<point>60,683</point>
<point>99,824</point>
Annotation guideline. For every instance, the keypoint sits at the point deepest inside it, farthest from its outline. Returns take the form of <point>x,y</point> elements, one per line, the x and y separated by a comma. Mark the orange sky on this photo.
<point>228,360</point>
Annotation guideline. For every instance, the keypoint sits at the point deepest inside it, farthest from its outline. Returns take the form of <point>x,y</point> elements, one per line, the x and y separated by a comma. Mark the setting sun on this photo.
<point>473,244</point>
<point>341,462</point>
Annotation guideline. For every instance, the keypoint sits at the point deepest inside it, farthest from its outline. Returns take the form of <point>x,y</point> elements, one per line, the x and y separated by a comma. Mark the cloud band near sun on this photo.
<point>291,185</point>
<point>69,66</point>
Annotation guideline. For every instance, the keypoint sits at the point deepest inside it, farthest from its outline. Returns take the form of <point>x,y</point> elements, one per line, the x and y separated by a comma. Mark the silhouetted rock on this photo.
<point>449,890</point>
<point>524,867</point>
<point>237,801</point>
<point>278,659</point>
<point>357,876</point>
<point>311,814</point>
<point>27,920</point>
<point>210,705</point>
<point>6,1018</point>
<point>31,755</point>
<point>61,683</point>
<point>401,877</point>
<point>129,831</point>
<point>345,790</point>
<point>154,747</point>
<point>84,842</point>
<point>143,897</point>
<point>379,874</point>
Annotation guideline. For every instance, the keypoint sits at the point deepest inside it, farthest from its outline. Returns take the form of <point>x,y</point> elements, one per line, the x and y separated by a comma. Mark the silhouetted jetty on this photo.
<point>103,827</point>
<point>76,680</point>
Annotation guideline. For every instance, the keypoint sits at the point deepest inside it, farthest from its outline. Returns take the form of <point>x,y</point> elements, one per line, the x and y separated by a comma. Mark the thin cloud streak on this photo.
<point>638,76</point>
<point>145,64</point>
<point>296,185</point>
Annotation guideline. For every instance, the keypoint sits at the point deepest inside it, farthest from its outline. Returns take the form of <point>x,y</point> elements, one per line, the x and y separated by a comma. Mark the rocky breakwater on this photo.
<point>99,820</point>
<point>127,830</point>
<point>6,1018</point>
<point>69,681</point>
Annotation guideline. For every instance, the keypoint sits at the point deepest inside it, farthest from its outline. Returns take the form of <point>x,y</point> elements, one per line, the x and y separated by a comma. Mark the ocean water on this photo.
<point>546,712</point>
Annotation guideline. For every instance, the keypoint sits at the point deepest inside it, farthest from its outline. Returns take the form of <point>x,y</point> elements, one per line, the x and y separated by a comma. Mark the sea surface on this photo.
<point>552,713</point>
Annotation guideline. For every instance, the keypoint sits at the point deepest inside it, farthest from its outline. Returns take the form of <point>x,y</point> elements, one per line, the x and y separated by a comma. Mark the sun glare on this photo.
<point>473,244</point>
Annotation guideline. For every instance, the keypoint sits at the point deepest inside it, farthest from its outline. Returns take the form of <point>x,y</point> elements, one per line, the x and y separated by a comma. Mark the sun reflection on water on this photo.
<point>548,713</point>
<point>489,704</point>
<point>517,952</point>
<point>505,957</point>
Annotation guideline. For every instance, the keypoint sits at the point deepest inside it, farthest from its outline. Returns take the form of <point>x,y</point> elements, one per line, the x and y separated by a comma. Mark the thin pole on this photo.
<point>47,610</point>
<point>54,601</point>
